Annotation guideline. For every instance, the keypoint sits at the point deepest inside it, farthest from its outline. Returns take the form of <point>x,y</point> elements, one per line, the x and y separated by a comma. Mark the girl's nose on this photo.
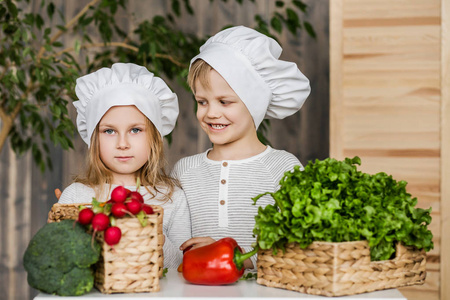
<point>122,142</point>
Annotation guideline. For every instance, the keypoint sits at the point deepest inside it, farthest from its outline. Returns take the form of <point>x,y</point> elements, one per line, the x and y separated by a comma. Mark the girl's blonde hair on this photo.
<point>151,174</point>
<point>199,71</point>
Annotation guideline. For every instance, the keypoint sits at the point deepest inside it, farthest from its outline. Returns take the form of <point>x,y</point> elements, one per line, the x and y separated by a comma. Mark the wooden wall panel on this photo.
<point>445,148</point>
<point>15,222</point>
<point>386,99</point>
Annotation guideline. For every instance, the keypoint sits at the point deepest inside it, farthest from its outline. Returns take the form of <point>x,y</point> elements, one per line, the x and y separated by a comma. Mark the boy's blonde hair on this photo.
<point>199,71</point>
<point>152,173</point>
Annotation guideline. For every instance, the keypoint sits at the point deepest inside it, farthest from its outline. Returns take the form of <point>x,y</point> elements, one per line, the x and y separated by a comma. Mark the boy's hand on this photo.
<point>196,242</point>
<point>248,264</point>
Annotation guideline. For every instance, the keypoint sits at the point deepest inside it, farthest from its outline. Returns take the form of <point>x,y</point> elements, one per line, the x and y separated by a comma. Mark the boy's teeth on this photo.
<point>217,126</point>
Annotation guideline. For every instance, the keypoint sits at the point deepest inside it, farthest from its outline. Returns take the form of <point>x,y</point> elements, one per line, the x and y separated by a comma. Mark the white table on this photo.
<point>173,287</point>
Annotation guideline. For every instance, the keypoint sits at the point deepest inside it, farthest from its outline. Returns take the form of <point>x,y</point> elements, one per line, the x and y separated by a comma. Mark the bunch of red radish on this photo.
<point>102,217</point>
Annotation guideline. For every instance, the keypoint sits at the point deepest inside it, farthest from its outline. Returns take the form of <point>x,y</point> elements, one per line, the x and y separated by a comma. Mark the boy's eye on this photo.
<point>201,102</point>
<point>136,130</point>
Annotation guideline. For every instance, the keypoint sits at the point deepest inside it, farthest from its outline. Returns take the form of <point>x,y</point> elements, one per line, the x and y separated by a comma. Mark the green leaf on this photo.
<point>47,31</point>
<point>279,3</point>
<point>96,206</point>
<point>21,75</point>
<point>187,5</point>
<point>57,44</point>
<point>176,7</point>
<point>293,21</point>
<point>309,29</point>
<point>276,24</point>
<point>77,46</point>
<point>17,36</point>
<point>12,9</point>
<point>142,217</point>
<point>249,276</point>
<point>302,6</point>
<point>39,21</point>
<point>153,50</point>
<point>62,28</point>
<point>112,221</point>
<point>29,19</point>
<point>50,10</point>
<point>165,270</point>
<point>107,209</point>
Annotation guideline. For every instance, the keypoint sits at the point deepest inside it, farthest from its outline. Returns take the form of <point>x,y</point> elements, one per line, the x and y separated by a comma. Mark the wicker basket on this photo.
<point>338,269</point>
<point>136,263</point>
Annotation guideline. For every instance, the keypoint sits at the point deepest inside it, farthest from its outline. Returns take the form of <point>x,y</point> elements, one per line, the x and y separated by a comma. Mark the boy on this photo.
<point>237,80</point>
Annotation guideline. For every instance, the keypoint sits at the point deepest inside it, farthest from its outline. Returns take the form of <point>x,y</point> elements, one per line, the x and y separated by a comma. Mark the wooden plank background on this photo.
<point>26,195</point>
<point>387,105</point>
<point>445,147</point>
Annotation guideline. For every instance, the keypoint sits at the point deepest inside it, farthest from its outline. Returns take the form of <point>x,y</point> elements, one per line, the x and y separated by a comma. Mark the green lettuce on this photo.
<point>332,201</point>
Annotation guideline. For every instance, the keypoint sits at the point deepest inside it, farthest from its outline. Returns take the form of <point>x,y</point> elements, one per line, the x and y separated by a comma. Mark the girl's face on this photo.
<point>222,114</point>
<point>124,143</point>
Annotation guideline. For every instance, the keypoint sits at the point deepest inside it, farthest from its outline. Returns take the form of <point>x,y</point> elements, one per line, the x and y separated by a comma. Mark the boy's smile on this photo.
<point>217,126</point>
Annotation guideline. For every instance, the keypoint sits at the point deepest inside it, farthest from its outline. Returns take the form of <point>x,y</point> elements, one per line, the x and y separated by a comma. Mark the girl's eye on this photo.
<point>135,130</point>
<point>108,131</point>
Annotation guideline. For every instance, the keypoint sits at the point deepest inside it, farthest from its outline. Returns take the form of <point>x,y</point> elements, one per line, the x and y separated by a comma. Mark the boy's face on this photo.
<point>221,113</point>
<point>124,146</point>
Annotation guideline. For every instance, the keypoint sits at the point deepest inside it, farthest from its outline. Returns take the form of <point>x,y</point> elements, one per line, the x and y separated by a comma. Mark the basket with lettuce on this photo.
<point>334,230</point>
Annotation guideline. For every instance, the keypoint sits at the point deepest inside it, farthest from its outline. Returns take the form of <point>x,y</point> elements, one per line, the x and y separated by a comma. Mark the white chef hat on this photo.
<point>124,84</point>
<point>248,61</point>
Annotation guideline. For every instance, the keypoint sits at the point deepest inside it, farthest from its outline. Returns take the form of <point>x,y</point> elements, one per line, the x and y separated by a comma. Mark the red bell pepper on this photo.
<point>221,262</point>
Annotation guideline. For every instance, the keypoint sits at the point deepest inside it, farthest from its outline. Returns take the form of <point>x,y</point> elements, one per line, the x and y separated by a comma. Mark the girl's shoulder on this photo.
<point>77,193</point>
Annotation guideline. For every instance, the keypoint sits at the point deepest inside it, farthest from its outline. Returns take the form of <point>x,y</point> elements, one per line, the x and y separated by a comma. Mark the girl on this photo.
<point>237,80</point>
<point>123,114</point>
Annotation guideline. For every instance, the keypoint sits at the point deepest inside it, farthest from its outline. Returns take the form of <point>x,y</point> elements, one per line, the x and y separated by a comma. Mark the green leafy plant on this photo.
<point>332,201</point>
<point>38,68</point>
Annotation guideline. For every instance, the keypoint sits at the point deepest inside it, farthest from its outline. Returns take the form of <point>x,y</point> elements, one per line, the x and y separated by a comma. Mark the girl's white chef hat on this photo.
<point>248,61</point>
<point>124,84</point>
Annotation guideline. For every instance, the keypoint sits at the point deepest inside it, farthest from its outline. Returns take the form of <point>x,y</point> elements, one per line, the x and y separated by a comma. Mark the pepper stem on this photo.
<point>240,257</point>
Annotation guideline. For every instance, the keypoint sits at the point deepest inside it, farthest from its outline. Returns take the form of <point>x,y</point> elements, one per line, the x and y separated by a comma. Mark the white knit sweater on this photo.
<point>176,219</point>
<point>219,193</point>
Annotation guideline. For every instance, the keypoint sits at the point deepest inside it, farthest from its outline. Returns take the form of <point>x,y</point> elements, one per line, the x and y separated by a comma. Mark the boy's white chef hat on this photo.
<point>248,61</point>
<point>124,84</point>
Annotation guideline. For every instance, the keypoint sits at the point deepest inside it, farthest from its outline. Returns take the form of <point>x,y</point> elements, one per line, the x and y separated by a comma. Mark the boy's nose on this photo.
<point>213,111</point>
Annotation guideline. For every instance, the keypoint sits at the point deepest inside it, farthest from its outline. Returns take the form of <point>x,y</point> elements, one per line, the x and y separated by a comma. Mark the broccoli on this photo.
<point>59,257</point>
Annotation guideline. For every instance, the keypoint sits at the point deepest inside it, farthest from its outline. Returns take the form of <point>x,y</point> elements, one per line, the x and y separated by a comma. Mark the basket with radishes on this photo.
<point>131,238</point>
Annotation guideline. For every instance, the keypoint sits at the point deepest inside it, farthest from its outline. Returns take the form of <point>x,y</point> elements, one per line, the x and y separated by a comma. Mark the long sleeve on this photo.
<point>177,228</point>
